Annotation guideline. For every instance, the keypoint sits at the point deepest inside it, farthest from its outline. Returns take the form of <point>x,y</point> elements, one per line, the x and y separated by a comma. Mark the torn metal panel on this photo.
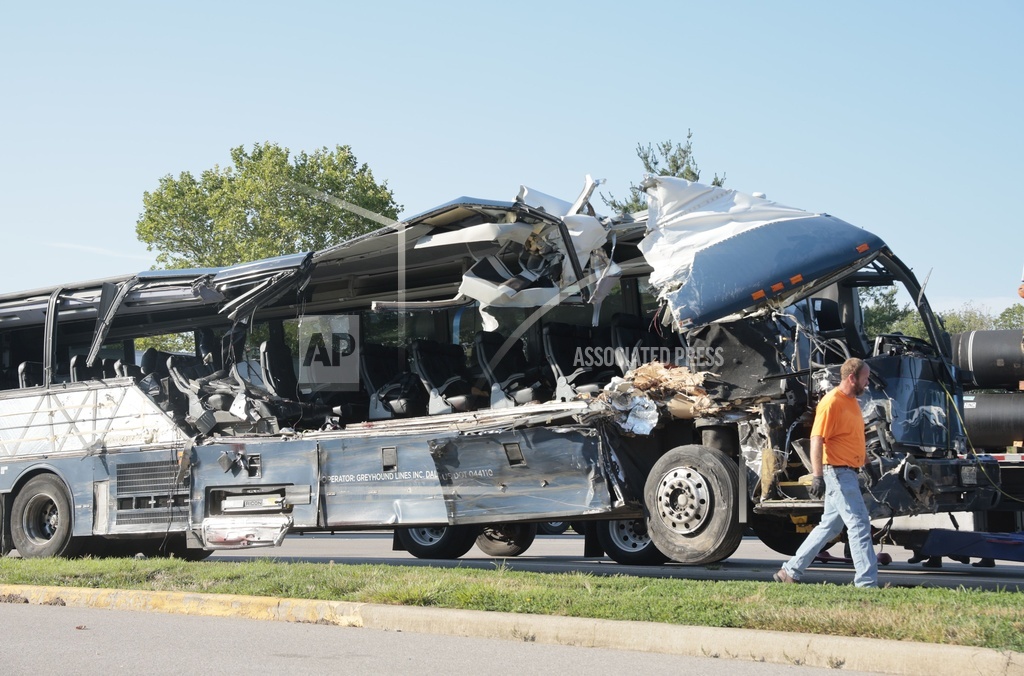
<point>753,455</point>
<point>111,296</point>
<point>483,420</point>
<point>246,490</point>
<point>235,532</point>
<point>453,478</point>
<point>697,234</point>
<point>747,358</point>
<point>82,417</point>
<point>537,473</point>
<point>561,256</point>
<point>499,233</point>
<point>553,206</point>
<point>261,282</point>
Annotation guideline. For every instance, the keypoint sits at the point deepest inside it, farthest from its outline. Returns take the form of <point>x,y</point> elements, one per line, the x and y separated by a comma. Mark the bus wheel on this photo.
<point>438,542</point>
<point>506,539</point>
<point>5,531</point>
<point>779,533</point>
<point>42,519</point>
<point>691,495</point>
<point>552,527</point>
<point>628,542</point>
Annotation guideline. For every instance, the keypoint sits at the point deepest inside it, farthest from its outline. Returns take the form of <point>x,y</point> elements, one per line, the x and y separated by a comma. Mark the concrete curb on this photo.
<point>858,654</point>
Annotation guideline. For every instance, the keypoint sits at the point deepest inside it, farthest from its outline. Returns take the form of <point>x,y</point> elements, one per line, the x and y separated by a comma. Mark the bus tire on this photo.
<point>778,533</point>
<point>691,495</point>
<point>438,542</point>
<point>628,542</point>
<point>552,527</point>
<point>506,539</point>
<point>5,529</point>
<point>42,520</point>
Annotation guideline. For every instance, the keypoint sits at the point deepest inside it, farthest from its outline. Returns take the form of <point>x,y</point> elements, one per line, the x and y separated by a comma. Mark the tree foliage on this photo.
<point>1011,318</point>
<point>267,203</point>
<point>884,314</point>
<point>664,159</point>
<point>969,317</point>
<point>881,309</point>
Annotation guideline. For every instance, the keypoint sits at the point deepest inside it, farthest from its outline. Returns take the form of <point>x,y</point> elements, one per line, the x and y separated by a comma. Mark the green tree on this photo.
<point>882,311</point>
<point>969,317</point>
<point>884,314</point>
<point>664,159</point>
<point>1011,318</point>
<point>267,203</point>
<point>910,324</point>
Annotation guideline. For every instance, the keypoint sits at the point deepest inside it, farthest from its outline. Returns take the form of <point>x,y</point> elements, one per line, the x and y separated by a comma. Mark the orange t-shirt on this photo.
<point>838,421</point>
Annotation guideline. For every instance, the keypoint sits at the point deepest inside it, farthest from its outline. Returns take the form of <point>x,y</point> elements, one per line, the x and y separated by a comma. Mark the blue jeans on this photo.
<point>844,504</point>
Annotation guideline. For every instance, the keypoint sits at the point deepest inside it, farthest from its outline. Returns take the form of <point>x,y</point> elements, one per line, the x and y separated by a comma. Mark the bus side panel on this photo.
<point>224,474</point>
<point>77,475</point>
<point>538,473</point>
<point>384,480</point>
<point>447,478</point>
<point>139,492</point>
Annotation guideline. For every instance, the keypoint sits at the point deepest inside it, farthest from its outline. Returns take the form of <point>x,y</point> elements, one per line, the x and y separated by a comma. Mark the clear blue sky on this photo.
<point>902,118</point>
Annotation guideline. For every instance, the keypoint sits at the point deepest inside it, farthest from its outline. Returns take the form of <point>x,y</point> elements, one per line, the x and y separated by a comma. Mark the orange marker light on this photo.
<point>758,295</point>
<point>863,247</point>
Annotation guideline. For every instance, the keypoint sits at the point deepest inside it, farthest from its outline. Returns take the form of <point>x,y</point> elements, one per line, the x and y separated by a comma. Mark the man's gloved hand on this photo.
<point>817,489</point>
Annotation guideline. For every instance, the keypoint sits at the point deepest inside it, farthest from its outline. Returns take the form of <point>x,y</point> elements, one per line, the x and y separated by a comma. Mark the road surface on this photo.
<point>65,640</point>
<point>564,553</point>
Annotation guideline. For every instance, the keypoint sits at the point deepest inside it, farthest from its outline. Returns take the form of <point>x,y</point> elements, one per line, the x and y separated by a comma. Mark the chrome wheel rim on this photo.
<point>630,534</point>
<point>429,536</point>
<point>684,501</point>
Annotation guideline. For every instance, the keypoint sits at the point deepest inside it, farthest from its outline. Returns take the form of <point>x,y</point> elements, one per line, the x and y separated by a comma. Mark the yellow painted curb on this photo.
<point>836,652</point>
<point>186,603</point>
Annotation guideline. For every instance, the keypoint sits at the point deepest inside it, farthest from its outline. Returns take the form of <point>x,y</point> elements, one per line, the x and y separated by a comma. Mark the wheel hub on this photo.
<point>503,532</point>
<point>427,536</point>
<point>631,534</point>
<point>684,501</point>
<point>42,519</point>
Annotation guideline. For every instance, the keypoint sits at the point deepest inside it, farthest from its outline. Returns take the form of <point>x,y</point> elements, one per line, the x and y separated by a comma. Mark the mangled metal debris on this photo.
<point>484,362</point>
<point>654,390</point>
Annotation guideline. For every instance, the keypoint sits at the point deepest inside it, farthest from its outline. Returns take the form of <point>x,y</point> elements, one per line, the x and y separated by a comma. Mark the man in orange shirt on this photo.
<point>837,454</point>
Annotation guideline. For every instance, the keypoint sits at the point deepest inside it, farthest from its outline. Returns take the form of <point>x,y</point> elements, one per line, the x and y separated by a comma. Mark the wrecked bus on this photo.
<point>462,375</point>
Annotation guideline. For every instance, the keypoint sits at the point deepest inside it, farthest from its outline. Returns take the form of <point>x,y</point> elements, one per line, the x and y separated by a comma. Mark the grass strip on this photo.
<point>990,619</point>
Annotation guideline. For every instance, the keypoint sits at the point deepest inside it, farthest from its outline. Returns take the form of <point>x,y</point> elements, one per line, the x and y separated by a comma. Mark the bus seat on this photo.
<point>575,370</point>
<point>125,370</point>
<point>30,373</point>
<point>278,370</point>
<point>442,368</point>
<point>394,390</point>
<point>513,381</point>
<point>80,372</point>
